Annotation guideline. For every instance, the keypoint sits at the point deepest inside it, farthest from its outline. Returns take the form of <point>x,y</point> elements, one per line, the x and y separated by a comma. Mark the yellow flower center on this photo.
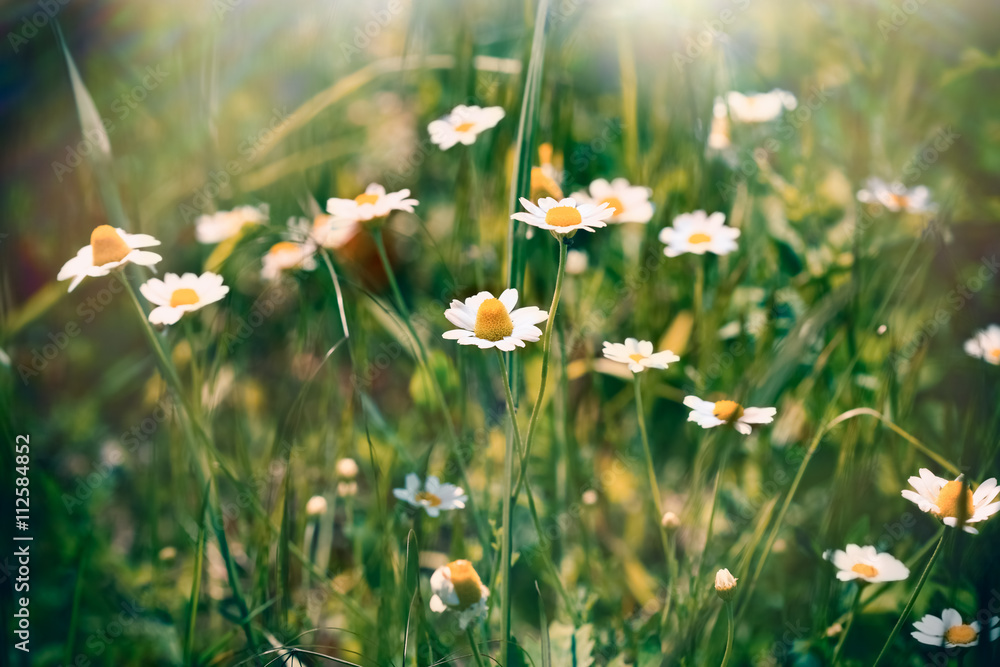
<point>615,204</point>
<point>366,198</point>
<point>636,357</point>
<point>563,216</point>
<point>961,634</point>
<point>429,498</point>
<point>108,245</point>
<point>184,296</point>
<point>994,353</point>
<point>699,237</point>
<point>493,322</point>
<point>900,201</point>
<point>864,570</point>
<point>468,585</point>
<point>320,221</point>
<point>282,247</point>
<point>950,497</point>
<point>464,127</point>
<point>728,411</point>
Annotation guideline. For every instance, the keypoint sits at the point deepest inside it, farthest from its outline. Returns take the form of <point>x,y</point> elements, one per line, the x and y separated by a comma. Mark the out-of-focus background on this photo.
<point>211,105</point>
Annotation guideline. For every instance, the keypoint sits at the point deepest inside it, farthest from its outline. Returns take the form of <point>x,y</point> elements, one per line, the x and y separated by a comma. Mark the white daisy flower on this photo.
<point>719,135</point>
<point>217,227</point>
<point>374,203</point>
<point>699,233</point>
<point>291,254</point>
<point>759,107</point>
<point>457,587</point>
<point>707,414</point>
<point>867,564</point>
<point>949,630</point>
<point>564,216</point>
<point>176,295</point>
<point>985,345</point>
<point>941,498</point>
<point>488,322</point>
<point>434,497</point>
<point>630,202</point>
<point>333,235</point>
<point>725,584</point>
<point>638,355</point>
<point>896,197</point>
<point>109,248</point>
<point>463,125</point>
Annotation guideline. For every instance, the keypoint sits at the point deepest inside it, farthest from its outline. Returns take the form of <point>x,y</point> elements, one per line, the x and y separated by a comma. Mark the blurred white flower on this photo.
<point>434,497</point>
<point>564,216</point>
<point>949,630</point>
<point>316,506</point>
<point>488,322</point>
<point>109,248</point>
<point>670,520</point>
<point>330,234</point>
<point>216,227</point>
<point>296,253</point>
<point>896,197</point>
<point>630,203</point>
<point>942,498</point>
<point>576,262</point>
<point>375,202</point>
<point>759,107</point>
<point>985,345</point>
<point>719,136</point>
<point>699,233</point>
<point>347,468</point>
<point>463,125</point>
<point>176,295</point>
<point>638,355</point>
<point>867,564</point>
<point>589,497</point>
<point>458,588</point>
<point>708,414</point>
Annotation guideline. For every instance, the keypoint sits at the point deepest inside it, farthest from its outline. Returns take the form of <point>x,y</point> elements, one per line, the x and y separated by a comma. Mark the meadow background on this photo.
<point>825,307</point>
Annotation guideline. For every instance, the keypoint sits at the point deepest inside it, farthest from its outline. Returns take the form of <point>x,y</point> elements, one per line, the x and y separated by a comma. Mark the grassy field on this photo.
<point>744,412</point>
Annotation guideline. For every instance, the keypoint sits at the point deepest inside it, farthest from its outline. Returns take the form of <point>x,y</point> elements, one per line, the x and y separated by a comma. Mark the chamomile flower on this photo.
<point>463,125</point>
<point>725,584</point>
<point>699,233</point>
<point>109,248</point>
<point>629,202</point>
<point>457,587</point>
<point>374,203</point>
<point>329,234</point>
<point>576,262</point>
<point>942,498</point>
<point>638,355</point>
<point>949,630</point>
<point>546,178</point>
<point>708,414</point>
<point>176,295</point>
<point>985,345</point>
<point>291,254</point>
<point>564,216</point>
<point>434,496</point>
<point>487,321</point>
<point>759,107</point>
<point>719,134</point>
<point>867,564</point>
<point>896,196</point>
<point>217,227</point>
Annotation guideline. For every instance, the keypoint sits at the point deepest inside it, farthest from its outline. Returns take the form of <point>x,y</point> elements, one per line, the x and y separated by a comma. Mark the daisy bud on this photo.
<point>670,520</point>
<point>725,584</point>
<point>834,630</point>
<point>347,468</point>
<point>316,505</point>
<point>589,497</point>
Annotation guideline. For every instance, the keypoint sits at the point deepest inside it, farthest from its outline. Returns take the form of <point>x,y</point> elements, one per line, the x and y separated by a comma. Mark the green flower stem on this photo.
<point>475,647</point>
<point>654,486</point>
<point>514,440</point>
<point>424,361</point>
<point>911,601</point>
<point>855,607</point>
<point>546,353</point>
<point>729,633</point>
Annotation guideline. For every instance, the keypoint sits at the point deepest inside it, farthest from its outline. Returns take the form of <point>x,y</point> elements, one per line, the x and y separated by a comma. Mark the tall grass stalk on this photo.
<point>654,486</point>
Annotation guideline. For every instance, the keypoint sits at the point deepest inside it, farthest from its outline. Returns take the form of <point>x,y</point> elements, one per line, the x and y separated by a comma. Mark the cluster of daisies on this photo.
<point>488,322</point>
